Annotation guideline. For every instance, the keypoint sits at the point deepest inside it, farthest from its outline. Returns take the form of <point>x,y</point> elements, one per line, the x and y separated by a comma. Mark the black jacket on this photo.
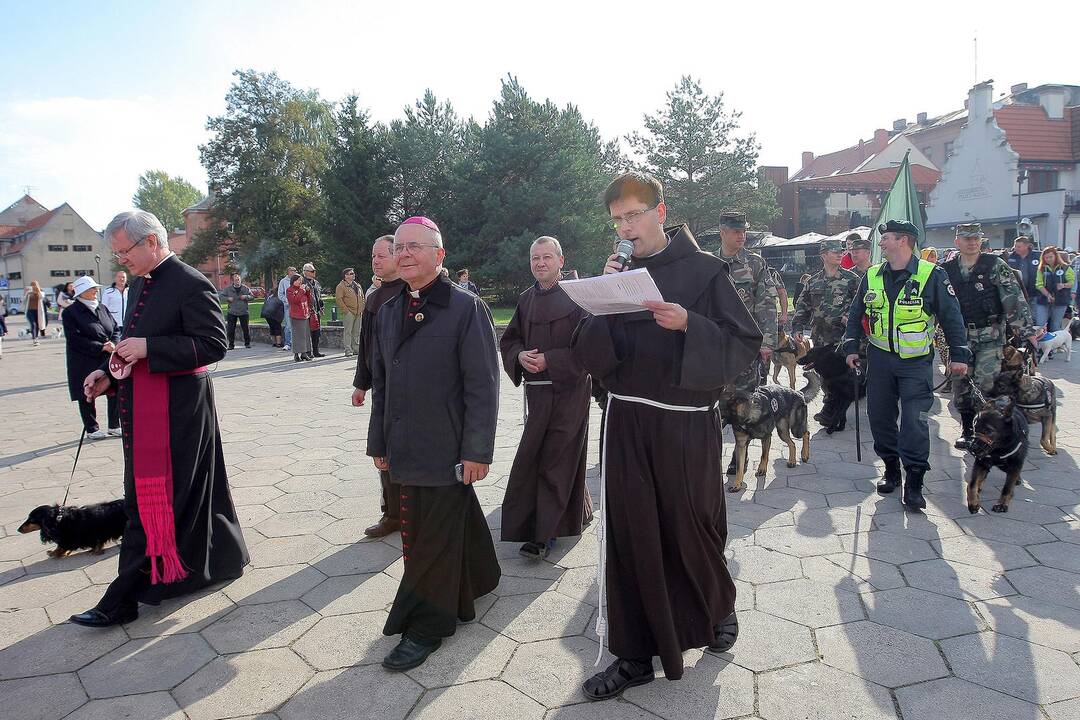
<point>86,331</point>
<point>435,384</point>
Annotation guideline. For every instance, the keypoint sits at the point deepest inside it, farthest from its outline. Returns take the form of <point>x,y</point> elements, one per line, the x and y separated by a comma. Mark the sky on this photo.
<point>94,94</point>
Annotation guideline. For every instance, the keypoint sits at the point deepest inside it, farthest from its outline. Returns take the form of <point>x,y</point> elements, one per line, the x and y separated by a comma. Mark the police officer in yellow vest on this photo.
<point>897,307</point>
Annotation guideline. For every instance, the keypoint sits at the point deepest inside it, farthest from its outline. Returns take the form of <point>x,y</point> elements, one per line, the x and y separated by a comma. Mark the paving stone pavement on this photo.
<point>850,607</point>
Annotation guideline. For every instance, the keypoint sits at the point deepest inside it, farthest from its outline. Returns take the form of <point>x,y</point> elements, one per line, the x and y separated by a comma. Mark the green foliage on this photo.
<point>691,146</point>
<point>166,197</point>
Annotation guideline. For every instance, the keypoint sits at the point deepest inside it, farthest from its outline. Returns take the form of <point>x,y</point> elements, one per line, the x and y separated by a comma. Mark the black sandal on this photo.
<point>727,633</point>
<point>533,551</point>
<point>622,674</point>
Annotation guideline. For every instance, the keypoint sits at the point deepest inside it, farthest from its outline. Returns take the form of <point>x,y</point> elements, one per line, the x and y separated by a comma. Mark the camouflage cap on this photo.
<point>856,241</point>
<point>831,245</point>
<point>1025,239</point>
<point>969,230</point>
<point>899,226</point>
<point>733,220</point>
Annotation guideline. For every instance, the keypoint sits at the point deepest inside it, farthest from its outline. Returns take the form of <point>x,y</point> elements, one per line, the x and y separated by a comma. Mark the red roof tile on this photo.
<point>925,179</point>
<point>1034,135</point>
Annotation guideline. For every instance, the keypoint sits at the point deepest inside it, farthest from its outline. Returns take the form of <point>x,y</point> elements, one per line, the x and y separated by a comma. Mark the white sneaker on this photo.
<point>97,434</point>
<point>287,347</point>
<point>114,432</point>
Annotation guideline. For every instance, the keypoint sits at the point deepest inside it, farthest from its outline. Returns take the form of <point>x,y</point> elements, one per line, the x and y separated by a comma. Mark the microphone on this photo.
<point>624,250</point>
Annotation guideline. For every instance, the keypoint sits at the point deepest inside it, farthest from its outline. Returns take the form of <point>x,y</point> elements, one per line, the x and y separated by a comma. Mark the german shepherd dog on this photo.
<point>77,528</point>
<point>1036,396</point>
<point>837,379</point>
<point>787,353</point>
<point>756,415</point>
<point>1001,441</point>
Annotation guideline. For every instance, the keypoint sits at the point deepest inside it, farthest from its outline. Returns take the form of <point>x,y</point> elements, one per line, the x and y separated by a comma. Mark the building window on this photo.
<point>929,153</point>
<point>58,248</point>
<point>1042,181</point>
<point>60,273</point>
<point>948,148</point>
<point>82,248</point>
<point>14,276</point>
<point>87,273</point>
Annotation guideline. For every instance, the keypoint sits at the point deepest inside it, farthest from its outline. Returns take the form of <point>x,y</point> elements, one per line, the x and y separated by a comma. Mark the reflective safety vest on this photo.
<point>903,327</point>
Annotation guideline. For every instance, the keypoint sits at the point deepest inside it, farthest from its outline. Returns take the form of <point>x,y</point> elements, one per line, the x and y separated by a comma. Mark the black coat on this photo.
<point>435,384</point>
<point>86,331</point>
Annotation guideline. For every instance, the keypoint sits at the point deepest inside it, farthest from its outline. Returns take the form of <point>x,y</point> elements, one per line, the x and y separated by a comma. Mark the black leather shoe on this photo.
<point>319,354</point>
<point>95,618</point>
<point>963,442</point>
<point>408,654</point>
<point>384,527</point>
<point>891,479</point>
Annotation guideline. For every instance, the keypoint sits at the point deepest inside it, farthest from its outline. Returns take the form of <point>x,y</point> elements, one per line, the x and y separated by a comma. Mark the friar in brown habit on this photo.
<point>546,497</point>
<point>662,515</point>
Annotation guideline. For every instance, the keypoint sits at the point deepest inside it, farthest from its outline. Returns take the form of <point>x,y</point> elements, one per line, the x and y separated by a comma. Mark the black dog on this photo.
<point>1074,329</point>
<point>77,528</point>
<point>1001,441</point>
<point>838,382</point>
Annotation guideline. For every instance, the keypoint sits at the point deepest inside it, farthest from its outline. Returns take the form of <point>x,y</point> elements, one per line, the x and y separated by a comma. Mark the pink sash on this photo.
<point>152,464</point>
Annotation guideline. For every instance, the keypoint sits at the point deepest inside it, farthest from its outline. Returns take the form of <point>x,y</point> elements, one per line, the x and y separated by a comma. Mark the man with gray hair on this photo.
<point>182,532</point>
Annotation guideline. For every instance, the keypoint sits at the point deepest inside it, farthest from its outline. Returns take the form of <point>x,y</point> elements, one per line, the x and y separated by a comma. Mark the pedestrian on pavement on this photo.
<point>91,336</point>
<point>349,296</point>
<point>282,287</point>
<point>34,307</point>
<point>464,281</point>
<point>238,296</point>
<point>315,308</point>
<point>64,297</point>
<point>300,318</point>
<point>1026,263</point>
<point>902,299</point>
<point>435,406</point>
<point>3,323</point>
<point>114,298</point>
<point>182,532</point>
<point>1054,283</point>
<point>273,312</point>
<point>386,286</point>
<point>546,497</point>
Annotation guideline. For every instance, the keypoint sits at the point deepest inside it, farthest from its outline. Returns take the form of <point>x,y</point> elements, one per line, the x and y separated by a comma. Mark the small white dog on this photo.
<point>1057,340</point>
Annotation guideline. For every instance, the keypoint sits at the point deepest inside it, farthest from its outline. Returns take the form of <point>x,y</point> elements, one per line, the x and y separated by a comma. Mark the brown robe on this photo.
<point>546,495</point>
<point>667,581</point>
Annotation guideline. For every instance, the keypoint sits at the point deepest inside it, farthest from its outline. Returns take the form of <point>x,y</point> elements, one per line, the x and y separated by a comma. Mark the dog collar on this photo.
<point>1013,451</point>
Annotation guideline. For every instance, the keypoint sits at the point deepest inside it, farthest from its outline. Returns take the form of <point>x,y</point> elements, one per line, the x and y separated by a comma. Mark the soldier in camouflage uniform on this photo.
<point>823,307</point>
<point>991,301</point>
<point>860,250</point>
<point>752,280</point>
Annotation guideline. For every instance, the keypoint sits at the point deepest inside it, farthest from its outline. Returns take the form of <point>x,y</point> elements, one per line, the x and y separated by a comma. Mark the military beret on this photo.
<point>831,245</point>
<point>733,220</point>
<point>899,226</point>
<point>858,242</point>
<point>969,230</point>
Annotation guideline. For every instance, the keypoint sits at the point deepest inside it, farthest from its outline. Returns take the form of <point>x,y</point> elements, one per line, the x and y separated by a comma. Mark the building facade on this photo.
<point>53,247</point>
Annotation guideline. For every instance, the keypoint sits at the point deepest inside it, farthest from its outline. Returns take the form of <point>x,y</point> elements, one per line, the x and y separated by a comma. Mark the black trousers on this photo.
<point>904,388</point>
<point>391,496</point>
<point>231,326</point>
<point>89,413</point>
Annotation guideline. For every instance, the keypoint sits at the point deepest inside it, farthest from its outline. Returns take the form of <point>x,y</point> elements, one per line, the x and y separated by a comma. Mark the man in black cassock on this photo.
<point>546,497</point>
<point>384,266</point>
<point>182,532</point>
<point>435,405</point>
<point>663,523</point>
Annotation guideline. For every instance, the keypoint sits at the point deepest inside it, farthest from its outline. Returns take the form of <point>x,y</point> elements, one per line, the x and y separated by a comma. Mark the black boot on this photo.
<point>315,334</point>
<point>891,479</point>
<point>913,497</point>
<point>967,431</point>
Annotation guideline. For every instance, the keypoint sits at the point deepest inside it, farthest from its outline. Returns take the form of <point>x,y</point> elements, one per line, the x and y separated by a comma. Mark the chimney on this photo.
<point>1018,88</point>
<point>1053,102</point>
<point>921,118</point>
<point>899,125</point>
<point>980,98</point>
<point>881,139</point>
<point>807,158</point>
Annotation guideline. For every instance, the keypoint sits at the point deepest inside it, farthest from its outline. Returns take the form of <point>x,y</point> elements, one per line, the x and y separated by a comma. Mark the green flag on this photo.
<point>902,203</point>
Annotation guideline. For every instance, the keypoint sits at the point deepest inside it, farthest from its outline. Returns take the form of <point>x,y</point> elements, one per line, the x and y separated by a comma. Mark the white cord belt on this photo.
<point>601,527</point>
<point>525,397</point>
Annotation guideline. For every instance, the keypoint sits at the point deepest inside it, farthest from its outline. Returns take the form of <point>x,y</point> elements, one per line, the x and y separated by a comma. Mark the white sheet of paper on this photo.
<point>612,294</point>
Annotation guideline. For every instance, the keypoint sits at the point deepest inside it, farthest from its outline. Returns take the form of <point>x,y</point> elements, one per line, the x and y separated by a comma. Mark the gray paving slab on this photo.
<point>46,697</point>
<point>881,654</point>
<point>955,698</point>
<point>709,688</point>
<point>146,665</point>
<point>1016,667</point>
<point>818,692</point>
<point>356,693</point>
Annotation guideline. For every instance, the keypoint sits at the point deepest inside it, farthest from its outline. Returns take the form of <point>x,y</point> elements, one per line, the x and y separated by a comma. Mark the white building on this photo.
<point>1035,132</point>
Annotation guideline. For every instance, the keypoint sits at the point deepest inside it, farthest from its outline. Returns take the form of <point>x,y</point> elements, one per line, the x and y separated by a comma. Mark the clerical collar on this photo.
<point>171,254</point>
<point>415,294</point>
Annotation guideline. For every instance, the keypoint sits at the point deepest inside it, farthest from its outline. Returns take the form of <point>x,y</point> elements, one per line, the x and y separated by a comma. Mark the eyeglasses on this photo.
<point>410,248</point>
<point>630,218</point>
<point>123,253</point>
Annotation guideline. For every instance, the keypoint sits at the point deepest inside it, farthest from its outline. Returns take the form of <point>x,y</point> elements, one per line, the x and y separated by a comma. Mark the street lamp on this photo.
<point>1021,176</point>
<point>97,261</point>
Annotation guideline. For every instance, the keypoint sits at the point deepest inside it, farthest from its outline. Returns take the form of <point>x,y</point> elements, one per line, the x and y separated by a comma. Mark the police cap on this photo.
<point>899,226</point>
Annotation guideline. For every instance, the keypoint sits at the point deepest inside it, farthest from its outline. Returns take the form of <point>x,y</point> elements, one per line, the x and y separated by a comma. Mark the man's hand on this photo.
<point>381,463</point>
<point>108,347</point>
<point>853,360</point>
<point>958,369</point>
<point>766,353</point>
<point>358,397</point>
<point>670,316</point>
<point>95,384</point>
<point>473,471</point>
<point>132,349</point>
<point>532,360</point>
<point>613,265</point>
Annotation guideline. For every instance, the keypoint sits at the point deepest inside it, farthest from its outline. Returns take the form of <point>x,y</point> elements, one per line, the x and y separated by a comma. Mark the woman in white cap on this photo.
<point>91,335</point>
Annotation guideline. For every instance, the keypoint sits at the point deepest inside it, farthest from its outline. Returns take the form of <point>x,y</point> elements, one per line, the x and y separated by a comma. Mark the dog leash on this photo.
<point>71,479</point>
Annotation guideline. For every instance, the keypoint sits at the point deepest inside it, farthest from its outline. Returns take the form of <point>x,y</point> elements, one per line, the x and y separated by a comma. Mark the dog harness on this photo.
<point>601,526</point>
